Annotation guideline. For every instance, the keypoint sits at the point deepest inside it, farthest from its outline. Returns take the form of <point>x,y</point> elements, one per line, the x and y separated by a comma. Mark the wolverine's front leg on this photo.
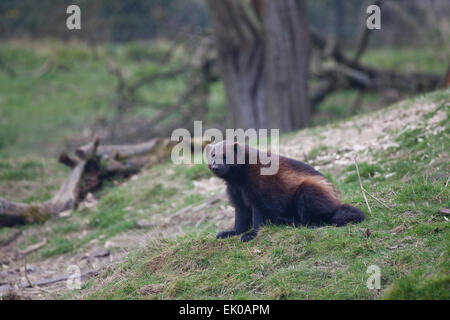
<point>258,220</point>
<point>242,222</point>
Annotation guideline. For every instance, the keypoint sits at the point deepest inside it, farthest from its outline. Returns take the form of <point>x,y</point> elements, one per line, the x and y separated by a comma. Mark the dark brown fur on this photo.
<point>297,194</point>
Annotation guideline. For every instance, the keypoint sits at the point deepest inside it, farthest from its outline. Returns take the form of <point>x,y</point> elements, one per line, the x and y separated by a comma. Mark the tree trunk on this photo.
<point>263,50</point>
<point>286,63</point>
<point>240,49</point>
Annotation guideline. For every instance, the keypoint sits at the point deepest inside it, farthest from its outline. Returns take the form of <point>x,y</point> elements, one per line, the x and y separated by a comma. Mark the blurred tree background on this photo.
<point>103,20</point>
<point>140,68</point>
<point>127,20</point>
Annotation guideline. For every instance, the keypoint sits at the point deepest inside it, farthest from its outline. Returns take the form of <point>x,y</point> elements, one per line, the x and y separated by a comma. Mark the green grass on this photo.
<point>27,170</point>
<point>57,246</point>
<point>322,263</point>
<point>118,209</point>
<point>316,151</point>
<point>196,172</point>
<point>365,171</point>
<point>78,92</point>
<point>37,116</point>
<point>420,285</point>
<point>406,60</point>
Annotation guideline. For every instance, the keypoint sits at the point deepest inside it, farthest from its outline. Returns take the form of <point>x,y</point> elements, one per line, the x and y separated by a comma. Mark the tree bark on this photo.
<point>119,151</point>
<point>239,44</point>
<point>287,54</point>
<point>263,50</point>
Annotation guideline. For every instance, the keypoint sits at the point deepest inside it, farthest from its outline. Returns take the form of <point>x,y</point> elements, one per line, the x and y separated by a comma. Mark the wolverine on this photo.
<point>296,194</point>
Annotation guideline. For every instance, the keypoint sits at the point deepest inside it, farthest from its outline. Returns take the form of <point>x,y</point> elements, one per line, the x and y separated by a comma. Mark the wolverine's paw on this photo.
<point>226,234</point>
<point>249,236</point>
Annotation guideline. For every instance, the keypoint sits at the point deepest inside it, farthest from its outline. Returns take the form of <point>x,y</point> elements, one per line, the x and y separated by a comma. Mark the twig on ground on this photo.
<point>33,247</point>
<point>31,283</point>
<point>378,200</point>
<point>362,188</point>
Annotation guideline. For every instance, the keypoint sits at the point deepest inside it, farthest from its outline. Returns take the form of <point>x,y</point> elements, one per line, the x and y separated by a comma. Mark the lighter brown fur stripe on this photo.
<point>295,181</point>
<point>323,184</point>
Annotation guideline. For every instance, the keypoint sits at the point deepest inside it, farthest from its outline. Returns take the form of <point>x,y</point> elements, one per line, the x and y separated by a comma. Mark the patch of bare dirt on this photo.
<point>213,210</point>
<point>361,136</point>
<point>53,276</point>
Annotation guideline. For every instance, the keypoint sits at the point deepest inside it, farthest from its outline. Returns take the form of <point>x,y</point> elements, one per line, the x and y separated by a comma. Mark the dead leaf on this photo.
<point>90,201</point>
<point>444,211</point>
<point>398,229</point>
<point>99,253</point>
<point>65,214</point>
<point>367,233</point>
<point>141,224</point>
<point>151,289</point>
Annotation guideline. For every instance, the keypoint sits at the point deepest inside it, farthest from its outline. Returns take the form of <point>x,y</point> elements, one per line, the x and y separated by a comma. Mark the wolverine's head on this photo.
<point>225,157</point>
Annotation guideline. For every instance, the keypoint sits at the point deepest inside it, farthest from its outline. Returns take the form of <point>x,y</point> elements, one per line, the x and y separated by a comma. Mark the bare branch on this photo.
<point>376,199</point>
<point>67,160</point>
<point>33,247</point>
<point>28,279</point>
<point>362,188</point>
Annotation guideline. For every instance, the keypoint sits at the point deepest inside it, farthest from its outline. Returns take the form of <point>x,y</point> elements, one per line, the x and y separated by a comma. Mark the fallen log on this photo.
<point>95,164</point>
<point>66,198</point>
<point>350,73</point>
<point>68,194</point>
<point>33,247</point>
<point>13,213</point>
<point>119,151</point>
<point>67,160</point>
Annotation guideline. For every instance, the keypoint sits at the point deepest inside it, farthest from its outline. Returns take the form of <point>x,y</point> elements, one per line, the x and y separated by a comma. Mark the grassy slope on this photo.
<point>322,263</point>
<point>38,114</point>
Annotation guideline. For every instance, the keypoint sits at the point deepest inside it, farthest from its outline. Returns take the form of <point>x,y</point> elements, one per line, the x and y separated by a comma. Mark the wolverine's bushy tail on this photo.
<point>347,214</point>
